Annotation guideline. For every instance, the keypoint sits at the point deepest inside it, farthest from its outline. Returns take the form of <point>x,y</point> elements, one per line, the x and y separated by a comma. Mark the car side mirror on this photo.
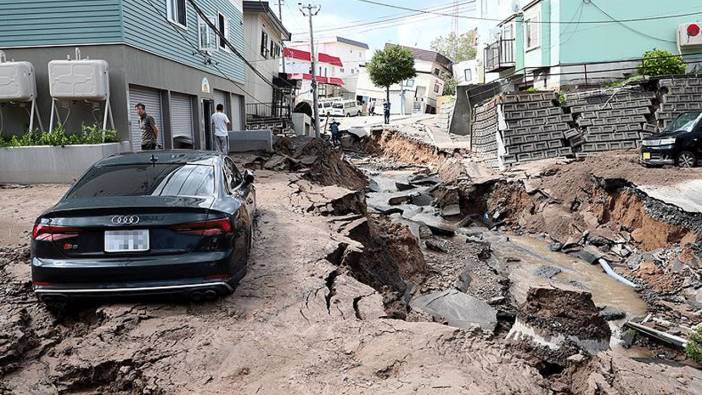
<point>249,177</point>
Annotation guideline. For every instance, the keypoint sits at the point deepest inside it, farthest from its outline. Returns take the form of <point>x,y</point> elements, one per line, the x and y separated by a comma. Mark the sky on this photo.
<point>336,15</point>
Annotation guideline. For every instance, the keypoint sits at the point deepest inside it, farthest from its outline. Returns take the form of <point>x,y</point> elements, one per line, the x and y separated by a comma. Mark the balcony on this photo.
<point>499,55</point>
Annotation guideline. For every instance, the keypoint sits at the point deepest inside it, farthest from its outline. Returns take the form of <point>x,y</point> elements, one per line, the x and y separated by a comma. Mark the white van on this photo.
<point>346,108</point>
<point>325,107</point>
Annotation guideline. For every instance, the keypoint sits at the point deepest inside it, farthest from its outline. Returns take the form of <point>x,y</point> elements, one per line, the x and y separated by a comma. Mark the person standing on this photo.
<point>335,134</point>
<point>220,123</point>
<point>149,130</point>
<point>371,107</point>
<point>386,111</point>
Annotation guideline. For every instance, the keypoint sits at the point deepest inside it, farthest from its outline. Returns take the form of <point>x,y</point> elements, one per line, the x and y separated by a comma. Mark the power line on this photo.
<point>389,19</point>
<point>378,3</point>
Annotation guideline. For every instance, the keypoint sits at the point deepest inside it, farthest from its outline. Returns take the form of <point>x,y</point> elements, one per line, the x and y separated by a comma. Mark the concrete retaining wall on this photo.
<point>52,165</point>
<point>251,140</point>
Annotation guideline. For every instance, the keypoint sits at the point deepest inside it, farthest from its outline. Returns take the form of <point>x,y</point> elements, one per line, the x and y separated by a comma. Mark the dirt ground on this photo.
<point>20,206</point>
<point>296,324</point>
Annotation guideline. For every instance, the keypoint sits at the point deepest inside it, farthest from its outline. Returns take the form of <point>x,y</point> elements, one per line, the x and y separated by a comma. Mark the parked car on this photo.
<point>346,108</point>
<point>147,223</point>
<point>679,144</point>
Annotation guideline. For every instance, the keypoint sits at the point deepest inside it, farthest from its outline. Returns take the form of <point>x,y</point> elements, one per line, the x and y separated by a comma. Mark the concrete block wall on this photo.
<point>609,119</point>
<point>678,95</point>
<point>535,127</point>
<point>484,129</point>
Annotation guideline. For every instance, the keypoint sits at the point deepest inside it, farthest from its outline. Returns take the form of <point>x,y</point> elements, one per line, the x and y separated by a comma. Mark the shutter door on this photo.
<point>182,116</point>
<point>151,98</point>
<point>236,117</point>
<point>220,97</point>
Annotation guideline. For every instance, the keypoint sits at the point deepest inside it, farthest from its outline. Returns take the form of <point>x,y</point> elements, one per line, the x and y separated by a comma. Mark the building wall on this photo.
<point>127,66</point>
<point>257,89</point>
<point>176,43</point>
<point>59,22</point>
<point>614,41</point>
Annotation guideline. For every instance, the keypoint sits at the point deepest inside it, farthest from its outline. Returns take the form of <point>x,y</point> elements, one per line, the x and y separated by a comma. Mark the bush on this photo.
<point>694,346</point>
<point>58,137</point>
<point>661,62</point>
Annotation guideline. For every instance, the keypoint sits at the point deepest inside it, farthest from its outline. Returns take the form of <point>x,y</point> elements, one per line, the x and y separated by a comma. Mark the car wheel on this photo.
<point>348,115</point>
<point>686,159</point>
<point>358,114</point>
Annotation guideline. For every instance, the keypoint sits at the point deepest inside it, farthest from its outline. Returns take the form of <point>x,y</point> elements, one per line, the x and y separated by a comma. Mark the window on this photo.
<point>532,33</point>
<point>177,12</point>
<point>264,44</point>
<point>166,179</point>
<point>223,26</point>
<point>436,71</point>
<point>436,88</point>
<point>341,69</point>
<point>468,75</point>
<point>208,38</point>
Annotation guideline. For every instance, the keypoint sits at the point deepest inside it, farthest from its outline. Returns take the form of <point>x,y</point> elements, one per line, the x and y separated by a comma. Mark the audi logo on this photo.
<point>125,219</point>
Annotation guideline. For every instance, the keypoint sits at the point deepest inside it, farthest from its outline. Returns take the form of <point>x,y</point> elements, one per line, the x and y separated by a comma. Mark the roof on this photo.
<point>427,55</point>
<point>163,157</point>
<point>263,7</point>
<point>352,42</point>
<point>531,4</point>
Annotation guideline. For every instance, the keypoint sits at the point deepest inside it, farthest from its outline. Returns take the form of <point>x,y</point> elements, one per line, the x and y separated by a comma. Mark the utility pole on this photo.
<point>280,10</point>
<point>313,11</point>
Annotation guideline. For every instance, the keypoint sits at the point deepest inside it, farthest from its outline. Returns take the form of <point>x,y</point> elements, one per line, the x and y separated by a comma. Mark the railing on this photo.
<point>267,110</point>
<point>499,55</point>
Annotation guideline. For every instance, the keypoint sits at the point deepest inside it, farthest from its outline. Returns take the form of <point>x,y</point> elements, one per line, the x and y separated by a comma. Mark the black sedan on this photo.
<point>147,223</point>
<point>679,144</point>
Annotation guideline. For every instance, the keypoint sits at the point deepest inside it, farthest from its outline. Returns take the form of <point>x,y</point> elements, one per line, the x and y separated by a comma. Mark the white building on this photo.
<point>466,72</point>
<point>264,34</point>
<point>417,95</point>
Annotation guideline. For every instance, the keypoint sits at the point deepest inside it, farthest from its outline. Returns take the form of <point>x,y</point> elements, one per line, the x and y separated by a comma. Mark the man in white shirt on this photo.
<point>220,123</point>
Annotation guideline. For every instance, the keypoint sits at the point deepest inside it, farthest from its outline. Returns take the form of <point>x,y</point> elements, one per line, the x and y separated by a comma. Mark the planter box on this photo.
<point>45,164</point>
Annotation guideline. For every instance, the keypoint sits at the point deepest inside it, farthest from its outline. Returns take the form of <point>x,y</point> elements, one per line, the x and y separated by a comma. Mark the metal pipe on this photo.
<point>668,338</point>
<point>608,269</point>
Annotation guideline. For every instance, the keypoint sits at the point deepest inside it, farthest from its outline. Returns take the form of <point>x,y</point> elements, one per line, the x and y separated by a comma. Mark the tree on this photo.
<point>449,84</point>
<point>661,62</point>
<point>456,47</point>
<point>391,65</point>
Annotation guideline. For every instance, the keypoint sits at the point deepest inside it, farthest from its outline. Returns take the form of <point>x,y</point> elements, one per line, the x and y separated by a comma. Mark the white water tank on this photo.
<point>79,79</point>
<point>17,82</point>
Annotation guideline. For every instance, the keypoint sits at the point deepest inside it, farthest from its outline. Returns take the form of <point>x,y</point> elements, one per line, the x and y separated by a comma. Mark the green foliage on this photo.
<point>456,47</point>
<point>561,98</point>
<point>58,137</point>
<point>532,90</point>
<point>449,84</point>
<point>390,66</point>
<point>694,346</point>
<point>661,62</point>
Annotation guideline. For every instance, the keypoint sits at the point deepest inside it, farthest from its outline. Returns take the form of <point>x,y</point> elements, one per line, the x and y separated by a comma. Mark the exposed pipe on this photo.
<point>668,338</point>
<point>608,269</point>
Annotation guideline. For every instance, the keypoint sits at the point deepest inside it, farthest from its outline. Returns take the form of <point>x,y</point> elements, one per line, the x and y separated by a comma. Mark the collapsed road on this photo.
<point>400,271</point>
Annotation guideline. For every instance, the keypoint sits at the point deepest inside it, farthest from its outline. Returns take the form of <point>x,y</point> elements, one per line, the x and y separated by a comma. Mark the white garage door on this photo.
<point>182,115</point>
<point>220,97</point>
<point>151,98</point>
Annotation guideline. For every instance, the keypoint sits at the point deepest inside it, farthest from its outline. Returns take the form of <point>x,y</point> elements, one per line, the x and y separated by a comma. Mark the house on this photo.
<point>417,95</point>
<point>298,67</point>
<point>265,37</point>
<point>466,72</point>
<point>159,52</point>
<point>351,54</point>
<point>552,43</point>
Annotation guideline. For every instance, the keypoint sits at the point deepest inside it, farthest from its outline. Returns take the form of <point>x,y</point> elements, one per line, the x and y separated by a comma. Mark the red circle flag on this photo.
<point>693,30</point>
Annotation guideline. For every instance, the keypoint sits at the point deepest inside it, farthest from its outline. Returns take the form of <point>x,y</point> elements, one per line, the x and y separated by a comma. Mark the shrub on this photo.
<point>661,62</point>
<point>694,346</point>
<point>58,137</point>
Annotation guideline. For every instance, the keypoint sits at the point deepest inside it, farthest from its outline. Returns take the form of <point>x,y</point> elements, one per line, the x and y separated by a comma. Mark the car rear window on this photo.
<point>146,180</point>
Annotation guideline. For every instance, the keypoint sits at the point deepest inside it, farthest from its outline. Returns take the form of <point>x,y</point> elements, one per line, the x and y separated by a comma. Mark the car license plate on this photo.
<point>646,155</point>
<point>126,240</point>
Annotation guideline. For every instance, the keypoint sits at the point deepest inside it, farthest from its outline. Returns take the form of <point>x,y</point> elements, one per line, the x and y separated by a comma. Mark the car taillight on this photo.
<point>45,232</point>
<point>205,228</point>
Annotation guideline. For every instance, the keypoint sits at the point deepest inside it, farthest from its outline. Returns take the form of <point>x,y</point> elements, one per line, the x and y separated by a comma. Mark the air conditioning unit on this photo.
<point>690,34</point>
<point>17,82</point>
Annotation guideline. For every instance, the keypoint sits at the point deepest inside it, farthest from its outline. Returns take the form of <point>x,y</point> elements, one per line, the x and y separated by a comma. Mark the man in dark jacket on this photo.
<point>149,130</point>
<point>386,111</point>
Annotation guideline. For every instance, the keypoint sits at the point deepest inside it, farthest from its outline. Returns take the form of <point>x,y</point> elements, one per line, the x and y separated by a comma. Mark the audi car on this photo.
<point>158,222</point>
<point>679,144</point>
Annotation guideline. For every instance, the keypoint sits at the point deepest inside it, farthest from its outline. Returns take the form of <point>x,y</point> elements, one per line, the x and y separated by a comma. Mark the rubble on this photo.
<point>458,309</point>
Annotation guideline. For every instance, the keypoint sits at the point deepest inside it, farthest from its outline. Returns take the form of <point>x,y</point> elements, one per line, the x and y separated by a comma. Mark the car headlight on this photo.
<point>649,143</point>
<point>667,141</point>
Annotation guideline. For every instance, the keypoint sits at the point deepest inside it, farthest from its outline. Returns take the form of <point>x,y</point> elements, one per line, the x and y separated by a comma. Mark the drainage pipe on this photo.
<point>668,338</point>
<point>608,269</point>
